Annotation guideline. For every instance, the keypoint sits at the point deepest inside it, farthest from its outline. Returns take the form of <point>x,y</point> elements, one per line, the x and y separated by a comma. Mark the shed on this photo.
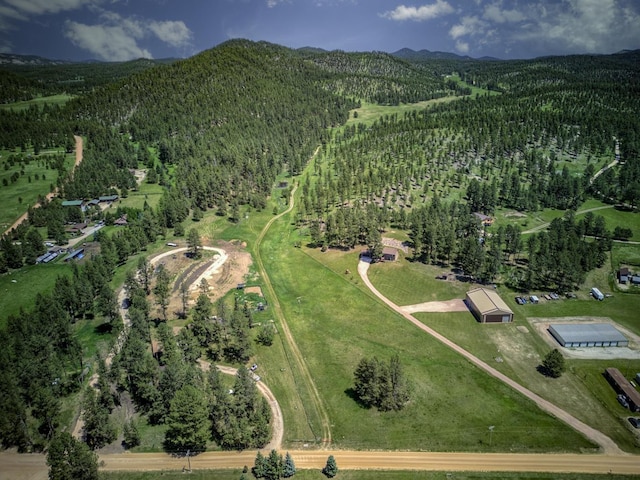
<point>624,279</point>
<point>488,307</point>
<point>588,335</point>
<point>72,203</point>
<point>621,385</point>
<point>624,271</point>
<point>108,198</point>
<point>389,254</point>
<point>635,279</point>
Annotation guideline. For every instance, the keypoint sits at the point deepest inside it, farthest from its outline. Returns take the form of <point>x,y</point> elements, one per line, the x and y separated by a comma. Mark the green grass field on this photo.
<point>16,197</point>
<point>147,192</point>
<point>60,99</point>
<point>19,288</point>
<point>311,284</point>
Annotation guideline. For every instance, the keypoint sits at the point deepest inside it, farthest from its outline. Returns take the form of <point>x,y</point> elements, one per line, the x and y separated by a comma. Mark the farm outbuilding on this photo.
<point>389,254</point>
<point>621,385</point>
<point>588,335</point>
<point>488,307</point>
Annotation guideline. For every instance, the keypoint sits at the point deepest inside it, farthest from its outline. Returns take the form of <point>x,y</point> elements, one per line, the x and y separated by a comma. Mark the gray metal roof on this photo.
<point>588,332</point>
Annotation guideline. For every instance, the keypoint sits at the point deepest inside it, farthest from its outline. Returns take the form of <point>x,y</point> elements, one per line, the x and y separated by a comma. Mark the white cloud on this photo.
<point>495,13</point>
<point>7,15</point>
<point>116,38</point>
<point>580,26</point>
<point>418,14</point>
<point>462,47</point>
<point>174,33</point>
<point>39,7</point>
<point>468,26</point>
<point>111,43</point>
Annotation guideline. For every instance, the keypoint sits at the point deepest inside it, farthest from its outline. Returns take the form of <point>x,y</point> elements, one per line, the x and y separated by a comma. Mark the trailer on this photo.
<point>597,294</point>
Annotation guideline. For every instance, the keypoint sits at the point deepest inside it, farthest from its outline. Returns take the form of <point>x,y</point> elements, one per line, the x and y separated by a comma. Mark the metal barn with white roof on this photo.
<point>588,335</point>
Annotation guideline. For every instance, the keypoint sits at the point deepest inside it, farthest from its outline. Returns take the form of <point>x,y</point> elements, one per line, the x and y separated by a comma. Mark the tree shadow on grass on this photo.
<point>351,393</point>
<point>103,329</point>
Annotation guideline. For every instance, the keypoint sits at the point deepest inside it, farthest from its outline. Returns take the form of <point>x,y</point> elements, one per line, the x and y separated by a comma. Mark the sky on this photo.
<point>120,30</point>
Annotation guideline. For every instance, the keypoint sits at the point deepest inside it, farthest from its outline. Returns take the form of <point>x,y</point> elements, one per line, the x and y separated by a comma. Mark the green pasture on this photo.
<point>19,288</point>
<point>234,474</point>
<point>336,322</point>
<point>16,197</point>
<point>625,254</point>
<point>59,99</point>
<point>146,192</point>
<point>521,352</point>
<point>475,91</point>
<point>370,112</point>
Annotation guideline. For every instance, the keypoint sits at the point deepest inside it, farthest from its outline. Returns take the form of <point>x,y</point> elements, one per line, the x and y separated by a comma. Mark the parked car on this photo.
<point>533,299</point>
<point>635,421</point>
<point>623,401</point>
<point>519,301</point>
<point>254,367</point>
<point>554,296</point>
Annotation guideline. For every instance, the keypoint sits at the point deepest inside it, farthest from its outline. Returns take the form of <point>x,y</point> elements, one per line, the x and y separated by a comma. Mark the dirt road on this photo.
<point>50,195</point>
<point>14,466</point>
<point>351,460</point>
<point>607,445</point>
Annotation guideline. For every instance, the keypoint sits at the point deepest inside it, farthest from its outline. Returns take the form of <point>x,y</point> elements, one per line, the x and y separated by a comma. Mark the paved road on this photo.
<point>607,445</point>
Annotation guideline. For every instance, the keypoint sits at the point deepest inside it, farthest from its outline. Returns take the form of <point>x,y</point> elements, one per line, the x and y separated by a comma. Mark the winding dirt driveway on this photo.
<point>608,446</point>
<point>276,413</point>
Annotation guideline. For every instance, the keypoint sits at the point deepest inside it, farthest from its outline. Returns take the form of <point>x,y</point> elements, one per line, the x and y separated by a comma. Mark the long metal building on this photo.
<point>588,335</point>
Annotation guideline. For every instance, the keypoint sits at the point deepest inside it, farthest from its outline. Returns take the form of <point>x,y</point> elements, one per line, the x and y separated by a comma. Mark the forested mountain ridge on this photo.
<point>379,77</point>
<point>231,118</point>
<point>49,77</point>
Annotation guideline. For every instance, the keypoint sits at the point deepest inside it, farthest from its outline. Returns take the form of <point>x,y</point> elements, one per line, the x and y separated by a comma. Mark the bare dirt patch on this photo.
<point>221,278</point>
<point>254,289</point>
<point>455,305</point>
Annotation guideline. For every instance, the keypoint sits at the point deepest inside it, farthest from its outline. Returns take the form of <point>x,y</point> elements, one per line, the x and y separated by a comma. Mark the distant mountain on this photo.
<point>421,55</point>
<point>29,60</point>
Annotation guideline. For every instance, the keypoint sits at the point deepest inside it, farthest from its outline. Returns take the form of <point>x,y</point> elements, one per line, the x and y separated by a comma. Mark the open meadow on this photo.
<point>23,182</point>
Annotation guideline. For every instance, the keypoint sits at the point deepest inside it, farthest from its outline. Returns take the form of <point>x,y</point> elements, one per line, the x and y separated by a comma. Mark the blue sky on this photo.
<point>117,30</point>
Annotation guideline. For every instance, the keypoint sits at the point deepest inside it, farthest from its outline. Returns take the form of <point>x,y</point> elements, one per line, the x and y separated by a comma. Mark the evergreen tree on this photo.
<point>331,468</point>
<point>70,459</point>
<point>289,467</point>
<point>194,244</point>
<point>553,364</point>
<point>161,290</point>
<point>188,421</point>
<point>131,434</point>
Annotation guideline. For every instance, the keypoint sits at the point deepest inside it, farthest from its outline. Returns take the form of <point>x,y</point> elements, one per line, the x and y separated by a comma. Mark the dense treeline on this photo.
<point>72,78</point>
<point>41,358</point>
<point>155,377</point>
<point>379,78</point>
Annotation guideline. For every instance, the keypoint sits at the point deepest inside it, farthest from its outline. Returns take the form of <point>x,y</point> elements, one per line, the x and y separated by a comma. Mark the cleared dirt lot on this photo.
<point>223,271</point>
